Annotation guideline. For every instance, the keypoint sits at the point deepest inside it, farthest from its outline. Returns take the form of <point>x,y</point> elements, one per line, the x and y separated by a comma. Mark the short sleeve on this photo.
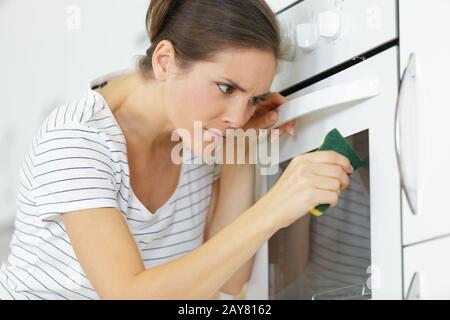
<point>72,170</point>
<point>216,171</point>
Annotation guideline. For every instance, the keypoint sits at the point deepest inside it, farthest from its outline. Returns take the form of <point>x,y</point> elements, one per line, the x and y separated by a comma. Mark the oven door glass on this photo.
<point>327,257</point>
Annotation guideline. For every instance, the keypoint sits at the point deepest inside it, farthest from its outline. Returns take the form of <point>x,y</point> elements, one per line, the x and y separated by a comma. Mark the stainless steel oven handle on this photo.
<point>408,75</point>
<point>326,98</point>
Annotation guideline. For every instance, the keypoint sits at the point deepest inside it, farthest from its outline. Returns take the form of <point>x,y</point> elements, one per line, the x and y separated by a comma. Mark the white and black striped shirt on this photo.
<point>78,160</point>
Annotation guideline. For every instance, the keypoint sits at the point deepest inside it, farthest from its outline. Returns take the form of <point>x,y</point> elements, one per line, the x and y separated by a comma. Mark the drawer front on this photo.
<point>426,267</point>
<point>363,25</point>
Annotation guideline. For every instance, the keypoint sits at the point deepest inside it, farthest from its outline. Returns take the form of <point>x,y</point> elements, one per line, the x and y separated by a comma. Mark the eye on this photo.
<point>226,88</point>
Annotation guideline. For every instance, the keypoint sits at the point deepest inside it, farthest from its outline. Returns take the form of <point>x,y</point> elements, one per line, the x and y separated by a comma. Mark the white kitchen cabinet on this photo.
<point>426,267</point>
<point>426,115</point>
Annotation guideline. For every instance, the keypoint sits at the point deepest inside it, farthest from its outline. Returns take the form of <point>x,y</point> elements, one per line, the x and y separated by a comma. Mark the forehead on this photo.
<point>254,69</point>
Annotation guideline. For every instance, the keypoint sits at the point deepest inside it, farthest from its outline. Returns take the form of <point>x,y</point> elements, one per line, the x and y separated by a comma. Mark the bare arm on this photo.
<point>236,195</point>
<point>109,256</point>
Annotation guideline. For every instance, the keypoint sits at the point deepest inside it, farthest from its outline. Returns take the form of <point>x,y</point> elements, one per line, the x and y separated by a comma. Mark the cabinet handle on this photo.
<point>406,126</point>
<point>414,288</point>
<point>326,98</point>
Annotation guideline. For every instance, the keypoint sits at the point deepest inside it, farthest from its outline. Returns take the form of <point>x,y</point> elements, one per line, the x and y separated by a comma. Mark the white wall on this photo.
<point>49,52</point>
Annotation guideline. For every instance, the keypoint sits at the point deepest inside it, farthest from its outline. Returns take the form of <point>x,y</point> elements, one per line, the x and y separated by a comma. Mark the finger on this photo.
<point>292,124</point>
<point>259,122</point>
<point>272,102</point>
<point>331,171</point>
<point>330,157</point>
<point>328,184</point>
<point>326,197</point>
<point>289,128</point>
<point>274,98</point>
<point>260,110</point>
<point>265,120</point>
<point>266,115</point>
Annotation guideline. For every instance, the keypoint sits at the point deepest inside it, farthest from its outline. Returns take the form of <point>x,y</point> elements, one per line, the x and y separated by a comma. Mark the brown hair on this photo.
<point>200,28</point>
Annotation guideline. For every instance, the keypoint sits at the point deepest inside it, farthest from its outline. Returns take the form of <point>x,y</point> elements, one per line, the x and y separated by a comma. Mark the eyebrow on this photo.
<point>240,88</point>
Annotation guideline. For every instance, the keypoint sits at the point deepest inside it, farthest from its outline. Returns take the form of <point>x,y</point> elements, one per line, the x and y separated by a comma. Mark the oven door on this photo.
<point>353,251</point>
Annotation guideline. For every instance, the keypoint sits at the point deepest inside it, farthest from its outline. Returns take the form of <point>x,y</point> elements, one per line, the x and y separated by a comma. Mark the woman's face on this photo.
<point>221,93</point>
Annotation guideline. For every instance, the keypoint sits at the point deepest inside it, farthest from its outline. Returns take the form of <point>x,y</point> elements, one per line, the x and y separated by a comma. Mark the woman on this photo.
<point>104,212</point>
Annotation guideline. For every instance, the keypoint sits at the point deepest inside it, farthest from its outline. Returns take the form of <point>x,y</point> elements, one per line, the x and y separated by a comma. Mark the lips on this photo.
<point>216,133</point>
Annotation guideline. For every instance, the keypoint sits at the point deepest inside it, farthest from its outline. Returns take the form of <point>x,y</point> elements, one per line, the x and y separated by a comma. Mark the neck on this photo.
<point>138,104</point>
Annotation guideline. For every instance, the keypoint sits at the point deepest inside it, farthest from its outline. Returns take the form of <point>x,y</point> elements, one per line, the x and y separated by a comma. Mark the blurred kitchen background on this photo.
<point>50,51</point>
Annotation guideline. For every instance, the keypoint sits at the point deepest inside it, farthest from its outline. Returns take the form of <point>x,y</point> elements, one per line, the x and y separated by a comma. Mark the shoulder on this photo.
<point>77,111</point>
<point>86,117</point>
<point>76,130</point>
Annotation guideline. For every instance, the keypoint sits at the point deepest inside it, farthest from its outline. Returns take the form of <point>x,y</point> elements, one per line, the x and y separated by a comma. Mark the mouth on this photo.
<point>216,133</point>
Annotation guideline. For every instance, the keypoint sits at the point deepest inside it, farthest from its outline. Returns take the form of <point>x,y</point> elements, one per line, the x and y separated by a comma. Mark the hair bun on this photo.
<point>157,16</point>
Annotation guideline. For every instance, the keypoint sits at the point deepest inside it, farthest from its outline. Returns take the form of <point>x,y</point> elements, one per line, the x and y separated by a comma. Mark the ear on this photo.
<point>163,60</point>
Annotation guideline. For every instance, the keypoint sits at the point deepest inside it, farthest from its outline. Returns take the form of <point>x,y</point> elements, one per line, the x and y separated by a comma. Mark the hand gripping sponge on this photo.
<point>334,141</point>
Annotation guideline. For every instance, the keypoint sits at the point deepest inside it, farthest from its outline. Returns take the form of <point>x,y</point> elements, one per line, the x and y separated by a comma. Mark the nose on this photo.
<point>236,115</point>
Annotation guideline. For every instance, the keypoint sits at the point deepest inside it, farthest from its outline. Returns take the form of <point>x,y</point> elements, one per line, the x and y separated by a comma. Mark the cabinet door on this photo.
<point>424,140</point>
<point>426,268</point>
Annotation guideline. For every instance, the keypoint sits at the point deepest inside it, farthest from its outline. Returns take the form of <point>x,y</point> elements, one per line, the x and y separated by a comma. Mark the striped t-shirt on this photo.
<point>78,160</point>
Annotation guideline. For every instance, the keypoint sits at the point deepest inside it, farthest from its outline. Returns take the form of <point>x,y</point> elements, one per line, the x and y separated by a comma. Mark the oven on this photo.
<point>342,72</point>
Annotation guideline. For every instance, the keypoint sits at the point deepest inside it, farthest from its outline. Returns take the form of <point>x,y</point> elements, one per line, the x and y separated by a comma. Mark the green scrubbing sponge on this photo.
<point>336,142</point>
